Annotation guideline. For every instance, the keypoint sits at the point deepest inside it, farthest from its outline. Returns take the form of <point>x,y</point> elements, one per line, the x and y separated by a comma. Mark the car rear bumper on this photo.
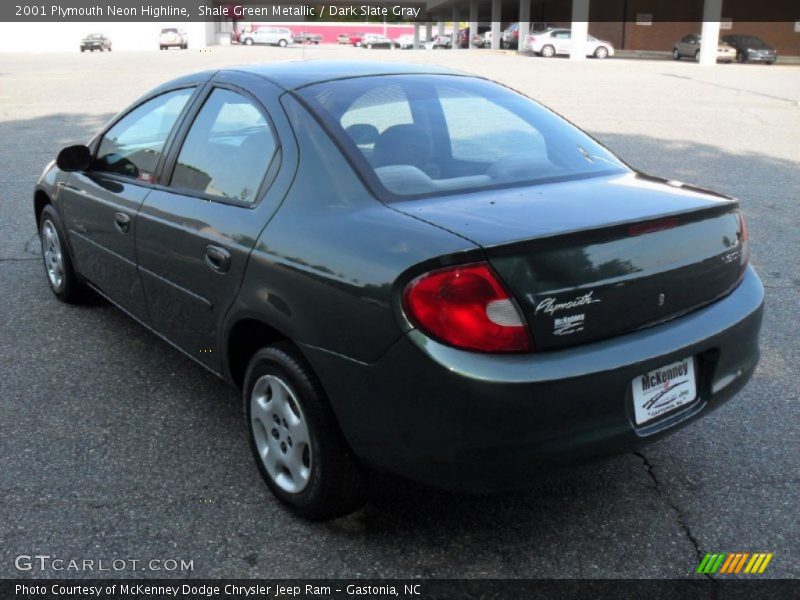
<point>474,422</point>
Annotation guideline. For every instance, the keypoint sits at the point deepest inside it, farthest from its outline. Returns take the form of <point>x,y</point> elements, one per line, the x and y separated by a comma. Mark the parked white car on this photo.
<point>407,41</point>
<point>274,36</point>
<point>559,41</point>
<point>171,37</point>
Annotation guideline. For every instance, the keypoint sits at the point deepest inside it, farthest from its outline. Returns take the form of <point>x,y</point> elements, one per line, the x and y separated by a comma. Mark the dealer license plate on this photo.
<point>663,390</point>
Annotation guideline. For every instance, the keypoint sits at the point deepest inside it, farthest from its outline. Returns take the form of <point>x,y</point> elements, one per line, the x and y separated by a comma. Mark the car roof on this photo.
<point>295,74</point>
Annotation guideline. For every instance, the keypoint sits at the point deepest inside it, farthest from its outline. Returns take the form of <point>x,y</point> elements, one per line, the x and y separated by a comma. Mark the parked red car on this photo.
<point>357,38</point>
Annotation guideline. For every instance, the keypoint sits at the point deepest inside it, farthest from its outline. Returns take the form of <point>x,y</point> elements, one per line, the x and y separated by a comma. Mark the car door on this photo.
<point>563,42</point>
<point>689,45</point>
<point>99,206</point>
<point>194,236</point>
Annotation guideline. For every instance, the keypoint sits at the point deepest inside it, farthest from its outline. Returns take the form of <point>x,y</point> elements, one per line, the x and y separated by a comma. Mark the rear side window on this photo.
<point>419,135</point>
<point>228,149</point>
<point>133,146</point>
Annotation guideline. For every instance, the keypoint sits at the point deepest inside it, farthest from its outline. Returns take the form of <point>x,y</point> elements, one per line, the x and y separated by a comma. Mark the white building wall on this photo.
<point>66,37</point>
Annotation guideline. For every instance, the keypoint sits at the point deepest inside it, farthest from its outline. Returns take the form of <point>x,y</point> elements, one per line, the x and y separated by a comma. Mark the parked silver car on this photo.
<point>689,47</point>
<point>273,36</point>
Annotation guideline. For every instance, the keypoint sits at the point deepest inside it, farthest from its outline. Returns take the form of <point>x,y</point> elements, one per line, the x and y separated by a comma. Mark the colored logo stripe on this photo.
<point>758,563</point>
<point>710,563</point>
<point>734,562</point>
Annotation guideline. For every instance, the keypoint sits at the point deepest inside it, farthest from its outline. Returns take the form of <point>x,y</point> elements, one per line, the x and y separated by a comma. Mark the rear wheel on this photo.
<point>697,56</point>
<point>601,52</point>
<point>57,262</point>
<point>548,51</point>
<point>282,43</point>
<point>295,437</point>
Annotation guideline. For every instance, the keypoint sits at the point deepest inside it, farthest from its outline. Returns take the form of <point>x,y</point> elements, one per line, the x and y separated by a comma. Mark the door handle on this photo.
<point>122,222</point>
<point>218,259</point>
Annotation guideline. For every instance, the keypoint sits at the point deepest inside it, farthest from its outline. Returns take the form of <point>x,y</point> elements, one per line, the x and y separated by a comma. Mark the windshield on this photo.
<point>417,135</point>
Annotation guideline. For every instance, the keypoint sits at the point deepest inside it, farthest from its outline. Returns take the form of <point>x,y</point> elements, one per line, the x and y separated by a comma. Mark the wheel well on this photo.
<point>245,339</point>
<point>40,200</point>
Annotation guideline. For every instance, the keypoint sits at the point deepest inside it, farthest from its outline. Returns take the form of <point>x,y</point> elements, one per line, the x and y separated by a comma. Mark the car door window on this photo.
<point>132,147</point>
<point>228,149</point>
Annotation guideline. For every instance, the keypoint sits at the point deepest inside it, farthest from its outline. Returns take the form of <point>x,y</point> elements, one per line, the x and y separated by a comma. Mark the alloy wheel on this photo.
<point>281,433</point>
<point>53,257</point>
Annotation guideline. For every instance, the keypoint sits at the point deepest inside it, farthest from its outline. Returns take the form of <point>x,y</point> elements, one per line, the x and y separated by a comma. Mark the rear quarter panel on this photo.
<point>323,270</point>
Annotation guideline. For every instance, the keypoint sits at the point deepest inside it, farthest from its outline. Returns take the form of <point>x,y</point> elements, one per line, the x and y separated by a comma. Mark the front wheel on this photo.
<point>675,54</point>
<point>57,262</point>
<point>741,58</point>
<point>697,56</point>
<point>548,51</point>
<point>282,43</point>
<point>295,438</point>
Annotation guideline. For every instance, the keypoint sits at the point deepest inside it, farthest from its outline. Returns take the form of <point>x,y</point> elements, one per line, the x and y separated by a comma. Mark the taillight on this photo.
<point>744,240</point>
<point>467,307</point>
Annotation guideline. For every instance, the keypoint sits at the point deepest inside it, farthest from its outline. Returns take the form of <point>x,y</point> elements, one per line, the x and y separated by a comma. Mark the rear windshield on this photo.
<point>419,135</point>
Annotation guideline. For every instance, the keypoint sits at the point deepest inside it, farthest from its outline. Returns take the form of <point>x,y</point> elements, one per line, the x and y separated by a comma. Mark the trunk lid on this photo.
<point>590,259</point>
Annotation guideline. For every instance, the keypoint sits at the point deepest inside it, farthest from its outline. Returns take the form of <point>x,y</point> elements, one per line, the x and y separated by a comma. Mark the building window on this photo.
<point>644,19</point>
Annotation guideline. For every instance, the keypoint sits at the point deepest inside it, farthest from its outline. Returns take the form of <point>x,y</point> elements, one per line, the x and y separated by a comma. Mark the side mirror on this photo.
<point>74,158</point>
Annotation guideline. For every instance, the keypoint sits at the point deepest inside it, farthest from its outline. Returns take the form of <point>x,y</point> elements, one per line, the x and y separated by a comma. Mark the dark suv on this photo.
<point>95,41</point>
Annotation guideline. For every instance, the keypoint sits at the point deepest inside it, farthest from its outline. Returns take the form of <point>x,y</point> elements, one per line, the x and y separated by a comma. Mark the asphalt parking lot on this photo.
<point>113,445</point>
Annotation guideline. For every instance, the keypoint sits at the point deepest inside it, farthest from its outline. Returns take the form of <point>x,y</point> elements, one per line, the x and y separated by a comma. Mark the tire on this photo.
<point>741,58</point>
<point>60,273</point>
<point>697,56</point>
<point>282,43</point>
<point>248,41</point>
<point>769,62</point>
<point>83,49</point>
<point>369,46</point>
<point>548,51</point>
<point>318,478</point>
<point>675,54</point>
<point>601,52</point>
